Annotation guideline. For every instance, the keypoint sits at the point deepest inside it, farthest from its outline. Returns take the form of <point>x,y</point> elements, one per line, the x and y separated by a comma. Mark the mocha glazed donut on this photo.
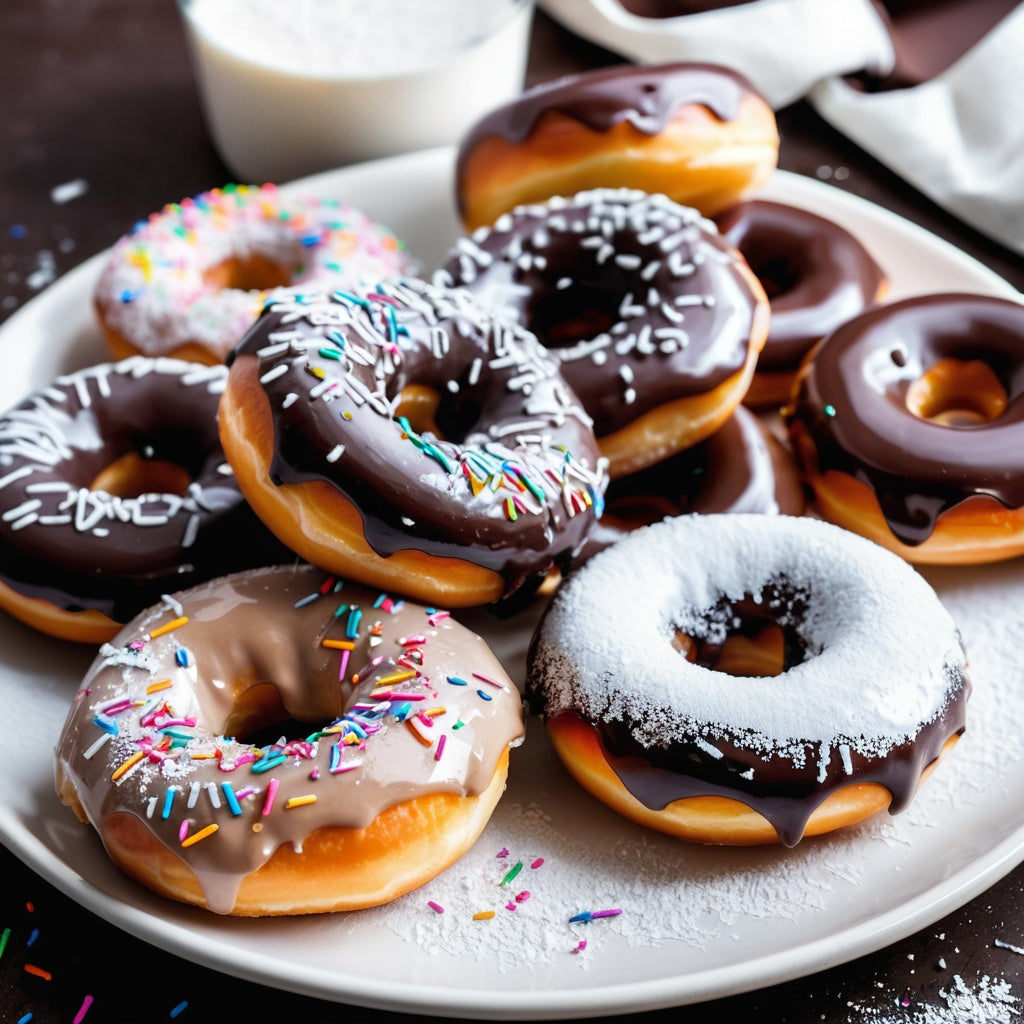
<point>698,133</point>
<point>656,321</point>
<point>816,275</point>
<point>189,281</point>
<point>280,742</point>
<point>748,679</point>
<point>741,467</point>
<point>114,489</point>
<point>404,437</point>
<point>907,423</point>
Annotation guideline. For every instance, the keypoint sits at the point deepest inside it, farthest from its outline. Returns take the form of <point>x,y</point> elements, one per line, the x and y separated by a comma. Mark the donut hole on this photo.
<point>419,404</point>
<point>753,641</point>
<point>426,413</point>
<point>132,475</point>
<point>252,272</point>
<point>259,718</point>
<point>563,318</point>
<point>778,274</point>
<point>957,392</point>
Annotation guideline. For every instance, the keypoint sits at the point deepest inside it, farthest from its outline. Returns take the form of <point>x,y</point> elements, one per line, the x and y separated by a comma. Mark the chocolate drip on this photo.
<point>770,785</point>
<point>851,408</point>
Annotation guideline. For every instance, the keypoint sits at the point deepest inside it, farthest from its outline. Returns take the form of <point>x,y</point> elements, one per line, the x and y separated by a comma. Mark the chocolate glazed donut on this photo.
<point>114,490</point>
<point>699,133</point>
<point>400,434</point>
<point>816,274</point>
<point>907,422</point>
<point>657,322</point>
<point>741,467</point>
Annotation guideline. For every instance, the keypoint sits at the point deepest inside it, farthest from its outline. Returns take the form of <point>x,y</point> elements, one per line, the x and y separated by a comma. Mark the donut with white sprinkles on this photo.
<point>114,489</point>
<point>401,435</point>
<point>656,321</point>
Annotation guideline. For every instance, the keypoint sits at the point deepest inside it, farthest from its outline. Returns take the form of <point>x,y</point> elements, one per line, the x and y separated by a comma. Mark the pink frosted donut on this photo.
<point>189,281</point>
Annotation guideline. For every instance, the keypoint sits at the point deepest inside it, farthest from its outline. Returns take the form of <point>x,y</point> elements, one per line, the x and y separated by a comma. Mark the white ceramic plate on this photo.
<point>695,924</point>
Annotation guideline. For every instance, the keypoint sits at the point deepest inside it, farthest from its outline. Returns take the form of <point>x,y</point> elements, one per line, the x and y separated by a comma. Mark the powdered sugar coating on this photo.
<point>154,290</point>
<point>883,655</point>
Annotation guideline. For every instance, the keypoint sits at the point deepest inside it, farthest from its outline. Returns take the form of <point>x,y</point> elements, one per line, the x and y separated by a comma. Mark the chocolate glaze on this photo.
<point>638,297</point>
<point>268,626</point>
<point>816,274</point>
<point>82,549</point>
<point>739,468</point>
<point>851,408</point>
<point>515,485</point>
<point>647,96</point>
<point>786,798</point>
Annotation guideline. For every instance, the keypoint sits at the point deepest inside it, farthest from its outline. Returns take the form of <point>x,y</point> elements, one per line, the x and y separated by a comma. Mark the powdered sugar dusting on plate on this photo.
<point>704,898</point>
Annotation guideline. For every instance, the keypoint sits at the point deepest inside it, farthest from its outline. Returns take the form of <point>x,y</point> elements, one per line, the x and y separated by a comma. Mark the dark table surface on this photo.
<point>98,103</point>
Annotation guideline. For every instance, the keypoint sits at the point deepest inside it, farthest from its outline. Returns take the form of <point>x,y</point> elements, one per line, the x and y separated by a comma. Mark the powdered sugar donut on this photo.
<point>190,280</point>
<point>852,676</point>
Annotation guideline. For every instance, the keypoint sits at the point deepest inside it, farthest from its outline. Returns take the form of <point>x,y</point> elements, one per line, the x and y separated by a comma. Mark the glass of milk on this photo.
<point>293,87</point>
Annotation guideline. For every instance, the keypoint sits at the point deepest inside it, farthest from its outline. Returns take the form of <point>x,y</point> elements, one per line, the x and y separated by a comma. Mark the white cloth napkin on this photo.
<point>958,137</point>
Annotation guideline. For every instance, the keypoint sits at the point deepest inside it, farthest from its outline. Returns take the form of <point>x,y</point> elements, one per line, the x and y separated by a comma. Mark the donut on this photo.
<point>114,489</point>
<point>190,280</point>
<point>279,741</point>
<point>699,133</point>
<point>748,679</point>
<point>741,467</point>
<point>816,274</point>
<point>906,423</point>
<point>403,437</point>
<point>656,321</point>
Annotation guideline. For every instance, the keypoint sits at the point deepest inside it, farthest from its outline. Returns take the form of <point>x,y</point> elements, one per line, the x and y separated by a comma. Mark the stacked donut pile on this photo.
<point>332,452</point>
<point>566,195</point>
<point>267,536</point>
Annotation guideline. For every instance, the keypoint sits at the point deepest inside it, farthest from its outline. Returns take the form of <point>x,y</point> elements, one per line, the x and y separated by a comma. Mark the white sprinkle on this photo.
<point>69,190</point>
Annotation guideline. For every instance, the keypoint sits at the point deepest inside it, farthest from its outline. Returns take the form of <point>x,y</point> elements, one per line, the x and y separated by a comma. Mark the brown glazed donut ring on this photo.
<point>907,424</point>
<point>816,274</point>
<point>114,489</point>
<point>698,133</point>
<point>404,437</point>
<point>852,676</point>
<point>657,322</point>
